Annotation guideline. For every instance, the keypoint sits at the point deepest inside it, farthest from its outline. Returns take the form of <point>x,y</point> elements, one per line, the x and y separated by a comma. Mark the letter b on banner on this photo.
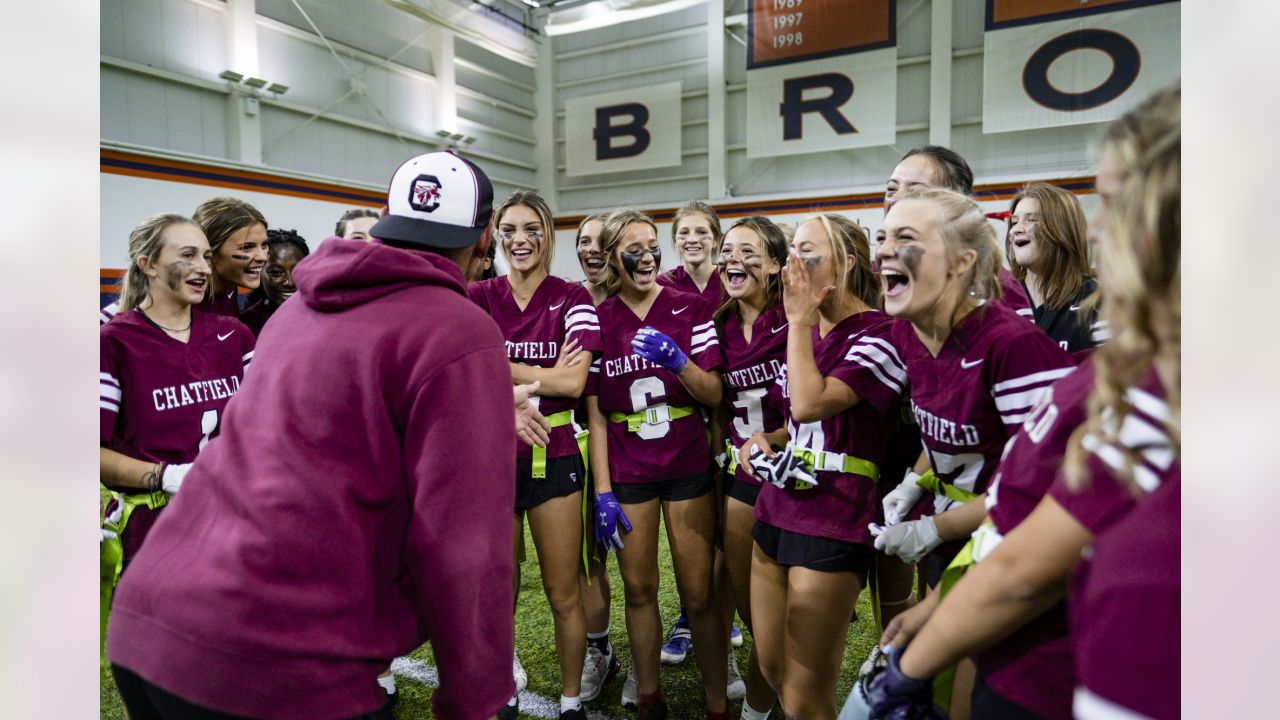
<point>605,131</point>
<point>633,129</point>
<point>839,88</point>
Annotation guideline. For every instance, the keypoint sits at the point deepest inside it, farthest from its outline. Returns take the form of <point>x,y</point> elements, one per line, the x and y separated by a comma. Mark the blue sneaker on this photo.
<point>678,642</point>
<point>735,636</point>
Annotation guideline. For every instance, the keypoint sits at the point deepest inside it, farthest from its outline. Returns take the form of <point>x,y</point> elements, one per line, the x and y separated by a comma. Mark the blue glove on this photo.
<point>894,696</point>
<point>608,515</point>
<point>659,349</point>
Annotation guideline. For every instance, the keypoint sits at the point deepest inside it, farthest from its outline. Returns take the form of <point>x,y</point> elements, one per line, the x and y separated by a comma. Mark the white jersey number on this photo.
<point>750,401</point>
<point>208,423</point>
<point>644,393</point>
<point>809,436</point>
<point>963,470</point>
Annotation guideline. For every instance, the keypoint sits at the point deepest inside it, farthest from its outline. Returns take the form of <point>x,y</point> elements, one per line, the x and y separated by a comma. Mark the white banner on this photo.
<point>1082,69</point>
<point>633,129</point>
<point>835,103</point>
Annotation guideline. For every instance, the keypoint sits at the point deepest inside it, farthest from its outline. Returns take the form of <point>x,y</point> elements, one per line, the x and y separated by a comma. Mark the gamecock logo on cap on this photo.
<point>424,193</point>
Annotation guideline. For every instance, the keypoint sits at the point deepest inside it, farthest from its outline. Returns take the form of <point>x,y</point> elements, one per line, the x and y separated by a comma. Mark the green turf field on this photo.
<point>536,645</point>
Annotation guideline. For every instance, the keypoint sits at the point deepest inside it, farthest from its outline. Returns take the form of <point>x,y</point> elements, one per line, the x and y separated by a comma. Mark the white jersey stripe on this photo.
<point>108,406</point>
<point>1045,376</point>
<point>104,377</point>
<point>876,369</point>
<point>888,348</point>
<point>880,358</point>
<point>1020,400</point>
<point>580,315</point>
<point>1150,404</point>
<point>703,336</point>
<point>580,327</point>
<point>709,325</point>
<point>1089,706</point>
<point>109,392</point>
<point>704,347</point>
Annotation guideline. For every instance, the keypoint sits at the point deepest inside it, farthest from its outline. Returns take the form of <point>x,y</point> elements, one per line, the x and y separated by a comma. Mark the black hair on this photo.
<point>491,271</point>
<point>277,238</point>
<point>956,173</point>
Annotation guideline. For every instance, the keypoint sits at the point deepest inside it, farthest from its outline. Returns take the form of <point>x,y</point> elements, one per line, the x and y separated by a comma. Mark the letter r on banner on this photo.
<point>605,131</point>
<point>794,105</point>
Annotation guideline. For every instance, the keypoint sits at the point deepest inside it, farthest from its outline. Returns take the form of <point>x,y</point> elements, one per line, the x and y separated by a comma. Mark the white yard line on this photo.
<point>531,703</point>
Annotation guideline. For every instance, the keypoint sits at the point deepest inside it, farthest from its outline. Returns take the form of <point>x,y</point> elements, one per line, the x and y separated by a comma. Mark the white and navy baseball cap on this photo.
<point>438,200</point>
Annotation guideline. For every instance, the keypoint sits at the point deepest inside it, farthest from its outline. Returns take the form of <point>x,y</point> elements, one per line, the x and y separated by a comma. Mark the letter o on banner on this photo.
<point>1126,61</point>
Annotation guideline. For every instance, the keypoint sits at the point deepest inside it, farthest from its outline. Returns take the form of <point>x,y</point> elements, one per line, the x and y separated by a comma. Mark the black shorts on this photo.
<point>988,704</point>
<point>741,491</point>
<point>792,549</point>
<point>565,476</point>
<point>936,562</point>
<point>146,701</point>
<point>683,488</point>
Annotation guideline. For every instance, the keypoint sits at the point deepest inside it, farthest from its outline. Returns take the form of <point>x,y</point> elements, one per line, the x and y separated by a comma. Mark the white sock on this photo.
<point>388,684</point>
<point>750,713</point>
<point>599,635</point>
<point>570,703</point>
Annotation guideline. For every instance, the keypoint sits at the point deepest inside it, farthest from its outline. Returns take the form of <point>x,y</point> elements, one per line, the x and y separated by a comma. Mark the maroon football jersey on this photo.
<point>1014,296</point>
<point>751,368</point>
<point>857,353</point>
<point>679,279</point>
<point>161,399</point>
<point>557,312</point>
<point>969,400</point>
<point>1034,667</point>
<point>626,383</point>
<point>222,304</point>
<point>257,314</point>
<point>1128,640</point>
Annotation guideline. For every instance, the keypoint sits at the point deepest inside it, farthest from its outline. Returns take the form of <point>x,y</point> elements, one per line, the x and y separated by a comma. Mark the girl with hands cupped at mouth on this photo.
<point>838,391</point>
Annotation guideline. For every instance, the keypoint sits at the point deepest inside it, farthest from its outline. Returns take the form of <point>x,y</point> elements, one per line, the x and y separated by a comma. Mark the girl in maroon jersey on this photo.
<point>1007,609</point>
<point>1047,251</point>
<point>540,314</point>
<point>237,235</point>
<point>976,369</point>
<point>590,257</point>
<point>166,373</point>
<point>695,233</point>
<point>752,328</point>
<point>601,662</point>
<point>649,451</point>
<point>812,549</point>
<point>285,249</point>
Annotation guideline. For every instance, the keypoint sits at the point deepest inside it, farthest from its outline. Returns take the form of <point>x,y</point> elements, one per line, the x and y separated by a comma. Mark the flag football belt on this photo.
<point>930,481</point>
<point>824,461</point>
<point>981,543</point>
<point>651,416</point>
<point>538,471</point>
<point>731,458</point>
<point>111,549</point>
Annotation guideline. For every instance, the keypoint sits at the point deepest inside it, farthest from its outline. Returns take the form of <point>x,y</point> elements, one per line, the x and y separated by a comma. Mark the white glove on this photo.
<point>910,541</point>
<point>795,470</point>
<point>766,468</point>
<point>901,499</point>
<point>171,480</point>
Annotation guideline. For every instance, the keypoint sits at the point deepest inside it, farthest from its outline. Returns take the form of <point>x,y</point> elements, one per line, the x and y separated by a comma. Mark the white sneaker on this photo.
<point>517,671</point>
<point>597,670</point>
<point>874,658</point>
<point>737,688</point>
<point>631,688</point>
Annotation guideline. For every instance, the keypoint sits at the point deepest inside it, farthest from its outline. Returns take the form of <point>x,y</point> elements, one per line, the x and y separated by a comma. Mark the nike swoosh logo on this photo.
<point>779,329</point>
<point>1075,308</point>
<point>966,364</point>
<point>224,337</point>
<point>556,307</point>
<point>677,312</point>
